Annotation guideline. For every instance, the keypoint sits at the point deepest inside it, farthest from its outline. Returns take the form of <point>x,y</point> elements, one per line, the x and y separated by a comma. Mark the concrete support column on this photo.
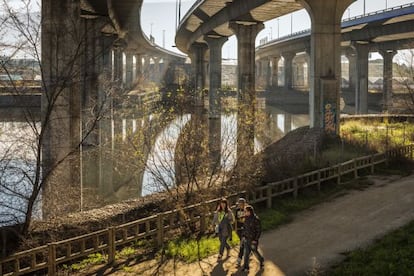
<point>275,71</point>
<point>246,36</point>
<point>129,70</point>
<point>387,56</point>
<point>287,127</point>
<point>325,62</point>
<point>268,73</point>
<point>138,68</point>
<point>288,65</point>
<point>105,125</point>
<point>62,50</point>
<point>215,44</point>
<point>361,95</point>
<point>118,64</point>
<point>155,74</point>
<point>352,68</point>
<point>146,67</point>
<point>198,51</point>
<point>307,75</point>
<point>299,74</point>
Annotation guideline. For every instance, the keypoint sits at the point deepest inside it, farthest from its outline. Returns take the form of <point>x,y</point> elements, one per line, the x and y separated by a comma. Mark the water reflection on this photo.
<point>131,149</point>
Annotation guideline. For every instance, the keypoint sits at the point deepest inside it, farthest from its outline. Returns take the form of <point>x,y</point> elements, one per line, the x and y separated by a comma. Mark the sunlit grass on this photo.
<point>191,250</point>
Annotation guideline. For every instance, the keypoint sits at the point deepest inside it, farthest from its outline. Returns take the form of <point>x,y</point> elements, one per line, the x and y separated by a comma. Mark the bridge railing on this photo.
<point>161,227</point>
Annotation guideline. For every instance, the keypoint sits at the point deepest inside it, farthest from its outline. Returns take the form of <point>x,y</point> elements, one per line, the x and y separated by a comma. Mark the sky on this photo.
<point>159,16</point>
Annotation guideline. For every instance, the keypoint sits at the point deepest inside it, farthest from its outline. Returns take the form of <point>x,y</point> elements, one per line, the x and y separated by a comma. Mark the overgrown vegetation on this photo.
<point>378,135</point>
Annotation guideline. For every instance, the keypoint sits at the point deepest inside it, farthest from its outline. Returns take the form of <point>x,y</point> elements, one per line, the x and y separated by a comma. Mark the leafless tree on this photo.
<point>25,170</point>
<point>404,82</point>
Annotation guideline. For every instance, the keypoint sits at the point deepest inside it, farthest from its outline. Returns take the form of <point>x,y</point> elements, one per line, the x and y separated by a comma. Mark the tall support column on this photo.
<point>138,66</point>
<point>146,67</point>
<point>198,51</point>
<point>307,75</point>
<point>106,139</point>
<point>275,71</point>
<point>156,70</point>
<point>246,36</point>
<point>288,58</point>
<point>299,74</point>
<point>352,68</point>
<point>361,95</point>
<point>128,69</point>
<point>215,44</point>
<point>118,64</point>
<point>387,56</point>
<point>62,50</point>
<point>325,62</point>
<point>268,73</point>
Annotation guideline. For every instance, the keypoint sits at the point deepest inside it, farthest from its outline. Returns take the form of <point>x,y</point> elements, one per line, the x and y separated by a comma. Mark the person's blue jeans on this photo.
<point>249,248</point>
<point>223,244</point>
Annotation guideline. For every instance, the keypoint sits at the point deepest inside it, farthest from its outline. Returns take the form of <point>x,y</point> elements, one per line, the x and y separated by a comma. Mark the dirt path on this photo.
<point>318,235</point>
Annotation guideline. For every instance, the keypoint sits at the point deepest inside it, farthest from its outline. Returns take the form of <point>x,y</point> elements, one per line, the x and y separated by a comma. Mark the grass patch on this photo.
<point>190,250</point>
<point>391,255</point>
<point>92,259</point>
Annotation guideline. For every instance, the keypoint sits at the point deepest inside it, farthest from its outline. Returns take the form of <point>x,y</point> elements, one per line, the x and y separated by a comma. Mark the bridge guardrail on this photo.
<point>156,228</point>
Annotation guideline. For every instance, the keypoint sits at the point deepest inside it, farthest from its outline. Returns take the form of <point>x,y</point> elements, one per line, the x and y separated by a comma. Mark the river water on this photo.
<point>120,172</point>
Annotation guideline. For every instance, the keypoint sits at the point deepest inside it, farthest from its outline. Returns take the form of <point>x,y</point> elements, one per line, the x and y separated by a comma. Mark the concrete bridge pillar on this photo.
<point>299,74</point>
<point>351,55</point>
<point>146,67</point>
<point>307,75</point>
<point>129,62</point>
<point>105,183</point>
<point>268,73</point>
<point>62,51</point>
<point>288,65</point>
<point>197,56</point>
<point>361,95</point>
<point>387,56</point>
<point>287,126</point>
<point>118,64</point>
<point>246,36</point>
<point>325,61</point>
<point>275,71</point>
<point>155,73</point>
<point>138,68</point>
<point>215,43</point>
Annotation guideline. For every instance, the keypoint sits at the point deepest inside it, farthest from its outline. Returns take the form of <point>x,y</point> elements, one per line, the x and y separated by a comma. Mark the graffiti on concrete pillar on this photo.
<point>329,118</point>
<point>329,98</point>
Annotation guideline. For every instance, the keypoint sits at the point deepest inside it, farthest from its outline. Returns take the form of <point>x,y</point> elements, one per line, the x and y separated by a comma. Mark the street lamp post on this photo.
<point>364,7</point>
<point>278,27</point>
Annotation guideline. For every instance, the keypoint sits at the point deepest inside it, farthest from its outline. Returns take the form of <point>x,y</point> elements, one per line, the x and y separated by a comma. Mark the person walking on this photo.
<point>223,220</point>
<point>251,234</point>
<point>240,216</point>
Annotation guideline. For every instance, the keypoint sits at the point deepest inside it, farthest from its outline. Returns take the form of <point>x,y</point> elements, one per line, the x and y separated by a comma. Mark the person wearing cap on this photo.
<point>223,220</point>
<point>251,234</point>
<point>239,215</point>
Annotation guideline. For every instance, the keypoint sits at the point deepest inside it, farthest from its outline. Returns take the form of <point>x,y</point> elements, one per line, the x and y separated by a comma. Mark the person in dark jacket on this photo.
<point>240,216</point>
<point>251,234</point>
<point>223,220</point>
